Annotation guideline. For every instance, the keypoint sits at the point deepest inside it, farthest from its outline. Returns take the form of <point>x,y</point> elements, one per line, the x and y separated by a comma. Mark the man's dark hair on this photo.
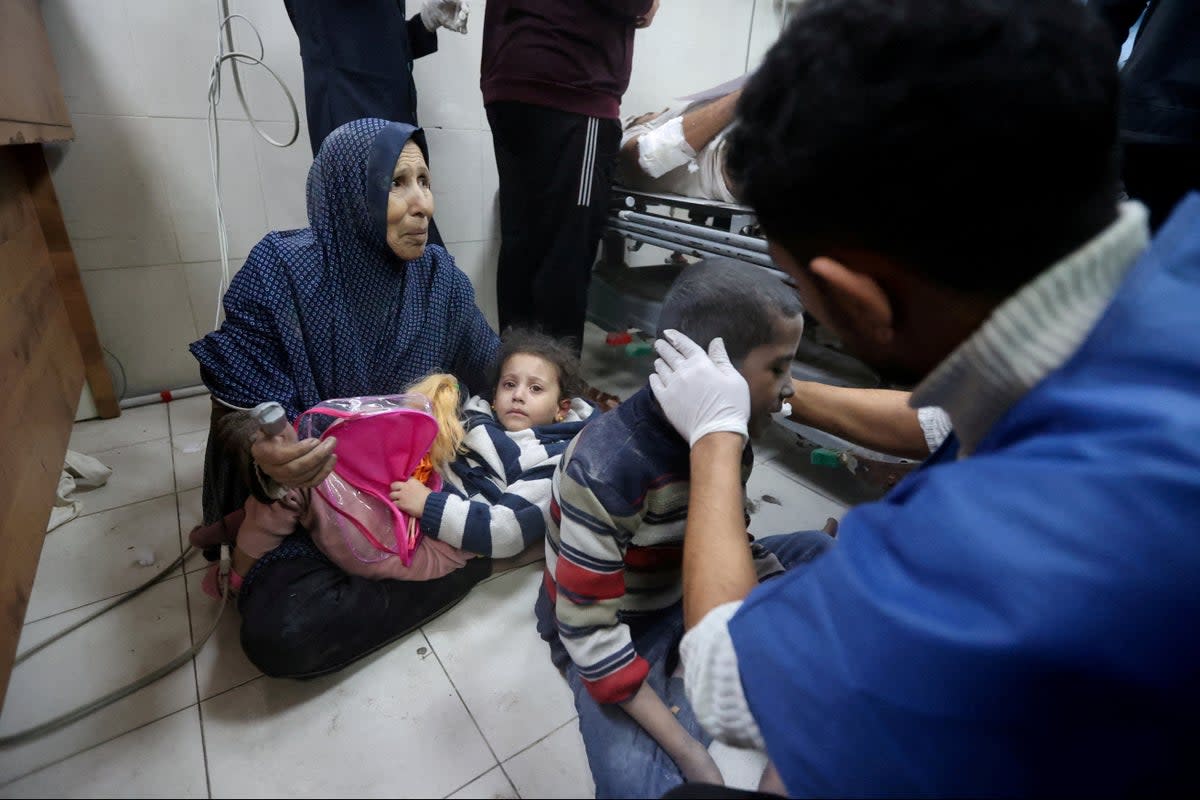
<point>536,343</point>
<point>739,302</point>
<point>969,140</point>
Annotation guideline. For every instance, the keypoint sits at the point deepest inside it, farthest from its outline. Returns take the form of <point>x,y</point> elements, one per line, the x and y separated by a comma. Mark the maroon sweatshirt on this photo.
<point>572,55</point>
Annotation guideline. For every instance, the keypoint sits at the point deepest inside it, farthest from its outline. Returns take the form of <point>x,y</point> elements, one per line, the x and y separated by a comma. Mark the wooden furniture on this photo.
<point>47,336</point>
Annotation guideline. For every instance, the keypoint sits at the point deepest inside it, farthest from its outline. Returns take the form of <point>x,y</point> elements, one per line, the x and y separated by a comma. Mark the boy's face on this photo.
<point>527,394</point>
<point>768,370</point>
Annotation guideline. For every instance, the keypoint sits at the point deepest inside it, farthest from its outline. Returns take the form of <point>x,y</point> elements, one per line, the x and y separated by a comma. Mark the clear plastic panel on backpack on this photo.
<point>324,415</point>
<point>380,439</point>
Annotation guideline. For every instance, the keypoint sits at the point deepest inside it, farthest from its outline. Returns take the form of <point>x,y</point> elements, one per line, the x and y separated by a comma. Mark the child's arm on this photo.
<point>590,576</point>
<point>693,759</point>
<point>499,529</point>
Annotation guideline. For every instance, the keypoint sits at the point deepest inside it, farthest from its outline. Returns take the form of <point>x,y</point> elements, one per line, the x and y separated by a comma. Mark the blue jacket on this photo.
<point>1025,621</point>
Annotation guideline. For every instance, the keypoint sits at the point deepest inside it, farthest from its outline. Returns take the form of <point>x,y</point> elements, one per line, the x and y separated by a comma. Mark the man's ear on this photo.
<point>858,297</point>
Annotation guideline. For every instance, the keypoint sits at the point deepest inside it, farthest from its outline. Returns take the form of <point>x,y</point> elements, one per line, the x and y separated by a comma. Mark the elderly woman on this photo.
<point>355,304</point>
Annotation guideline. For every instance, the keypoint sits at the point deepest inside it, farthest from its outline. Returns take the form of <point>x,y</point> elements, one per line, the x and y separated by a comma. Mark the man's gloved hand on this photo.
<point>451,14</point>
<point>700,392</point>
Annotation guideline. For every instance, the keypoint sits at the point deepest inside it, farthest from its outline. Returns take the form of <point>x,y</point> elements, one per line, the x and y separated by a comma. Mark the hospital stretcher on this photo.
<point>624,297</point>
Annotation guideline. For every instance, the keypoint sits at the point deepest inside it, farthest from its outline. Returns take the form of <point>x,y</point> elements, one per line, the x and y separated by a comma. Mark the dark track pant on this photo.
<point>556,170</point>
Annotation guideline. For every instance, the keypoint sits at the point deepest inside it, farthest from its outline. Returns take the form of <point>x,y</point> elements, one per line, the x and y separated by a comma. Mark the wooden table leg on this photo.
<point>41,373</point>
<point>66,274</point>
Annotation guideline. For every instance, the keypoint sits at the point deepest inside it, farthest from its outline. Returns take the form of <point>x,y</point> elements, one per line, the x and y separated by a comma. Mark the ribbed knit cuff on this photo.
<point>431,517</point>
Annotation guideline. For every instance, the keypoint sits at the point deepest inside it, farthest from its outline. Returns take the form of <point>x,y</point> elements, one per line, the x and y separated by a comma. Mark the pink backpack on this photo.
<point>380,439</point>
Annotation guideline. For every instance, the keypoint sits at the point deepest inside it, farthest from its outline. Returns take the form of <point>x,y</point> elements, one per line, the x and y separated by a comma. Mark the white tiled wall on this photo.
<point>135,185</point>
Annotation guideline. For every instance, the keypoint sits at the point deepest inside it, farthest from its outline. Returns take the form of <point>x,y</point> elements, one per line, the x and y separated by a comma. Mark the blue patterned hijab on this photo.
<point>329,310</point>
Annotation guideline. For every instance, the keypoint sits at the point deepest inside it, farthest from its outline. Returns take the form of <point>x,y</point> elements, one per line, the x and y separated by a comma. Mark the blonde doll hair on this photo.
<point>442,391</point>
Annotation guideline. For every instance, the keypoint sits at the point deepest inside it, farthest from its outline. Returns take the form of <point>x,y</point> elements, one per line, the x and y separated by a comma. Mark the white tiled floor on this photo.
<point>468,706</point>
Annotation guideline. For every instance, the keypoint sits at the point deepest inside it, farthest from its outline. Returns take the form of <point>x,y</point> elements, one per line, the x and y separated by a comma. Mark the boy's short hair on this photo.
<point>536,343</point>
<point>972,141</point>
<point>736,301</point>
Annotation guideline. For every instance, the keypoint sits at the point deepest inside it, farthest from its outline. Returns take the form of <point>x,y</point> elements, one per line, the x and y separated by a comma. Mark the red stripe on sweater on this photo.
<point>659,557</point>
<point>619,686</point>
<point>585,583</point>
<point>555,511</point>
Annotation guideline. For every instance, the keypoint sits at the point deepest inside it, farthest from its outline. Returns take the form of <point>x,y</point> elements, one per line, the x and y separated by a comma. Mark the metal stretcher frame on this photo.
<point>724,237</point>
<point>715,228</point>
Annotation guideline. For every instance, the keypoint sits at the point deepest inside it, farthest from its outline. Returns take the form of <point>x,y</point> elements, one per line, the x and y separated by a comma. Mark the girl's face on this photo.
<point>527,394</point>
<point>410,204</point>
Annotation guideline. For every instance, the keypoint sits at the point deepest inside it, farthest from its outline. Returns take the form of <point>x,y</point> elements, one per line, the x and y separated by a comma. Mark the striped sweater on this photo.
<point>614,546</point>
<point>496,497</point>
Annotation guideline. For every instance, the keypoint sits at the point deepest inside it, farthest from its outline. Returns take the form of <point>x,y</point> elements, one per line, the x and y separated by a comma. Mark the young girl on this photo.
<point>497,495</point>
<point>496,470</point>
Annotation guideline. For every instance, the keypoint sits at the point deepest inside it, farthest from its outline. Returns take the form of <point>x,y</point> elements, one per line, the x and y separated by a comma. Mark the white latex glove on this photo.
<point>700,392</point>
<point>450,14</point>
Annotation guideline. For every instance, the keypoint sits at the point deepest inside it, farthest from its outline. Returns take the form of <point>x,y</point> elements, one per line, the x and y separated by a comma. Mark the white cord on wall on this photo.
<point>226,52</point>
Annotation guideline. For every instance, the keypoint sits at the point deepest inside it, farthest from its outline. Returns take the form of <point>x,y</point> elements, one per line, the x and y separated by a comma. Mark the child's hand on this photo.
<point>409,496</point>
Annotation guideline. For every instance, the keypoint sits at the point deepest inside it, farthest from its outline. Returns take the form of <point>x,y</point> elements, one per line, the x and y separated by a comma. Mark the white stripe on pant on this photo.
<point>589,162</point>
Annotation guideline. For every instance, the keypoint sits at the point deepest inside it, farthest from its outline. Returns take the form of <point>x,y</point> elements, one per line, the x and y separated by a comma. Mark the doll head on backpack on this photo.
<point>445,400</point>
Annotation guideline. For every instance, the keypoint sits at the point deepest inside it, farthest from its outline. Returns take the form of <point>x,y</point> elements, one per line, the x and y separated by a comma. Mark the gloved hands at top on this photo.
<point>451,14</point>
<point>700,392</point>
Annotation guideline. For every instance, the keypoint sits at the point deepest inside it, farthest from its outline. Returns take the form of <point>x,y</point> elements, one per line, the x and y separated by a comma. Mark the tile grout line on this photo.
<point>534,744</point>
<point>187,596</point>
<point>122,593</point>
<point>470,714</point>
<point>214,696</point>
<point>195,667</point>
<point>126,505</point>
<point>203,740</point>
<point>58,761</point>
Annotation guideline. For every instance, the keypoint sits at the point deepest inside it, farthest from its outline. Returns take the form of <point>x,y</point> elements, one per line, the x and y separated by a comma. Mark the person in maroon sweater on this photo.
<point>552,76</point>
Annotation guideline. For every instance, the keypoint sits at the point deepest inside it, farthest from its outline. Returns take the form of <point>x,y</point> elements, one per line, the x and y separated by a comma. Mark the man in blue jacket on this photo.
<point>1020,615</point>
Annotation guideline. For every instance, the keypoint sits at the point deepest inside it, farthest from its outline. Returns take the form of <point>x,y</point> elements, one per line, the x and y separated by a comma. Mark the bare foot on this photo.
<point>223,531</point>
<point>831,527</point>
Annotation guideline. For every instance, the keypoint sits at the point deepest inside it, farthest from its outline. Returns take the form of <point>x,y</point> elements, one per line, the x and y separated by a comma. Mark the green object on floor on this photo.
<point>634,349</point>
<point>823,457</point>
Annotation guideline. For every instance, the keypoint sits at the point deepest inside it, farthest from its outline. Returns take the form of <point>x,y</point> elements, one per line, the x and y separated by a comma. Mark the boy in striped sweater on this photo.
<point>610,602</point>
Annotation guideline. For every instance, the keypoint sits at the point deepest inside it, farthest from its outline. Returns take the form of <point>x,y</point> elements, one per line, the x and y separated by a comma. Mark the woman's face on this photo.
<point>410,204</point>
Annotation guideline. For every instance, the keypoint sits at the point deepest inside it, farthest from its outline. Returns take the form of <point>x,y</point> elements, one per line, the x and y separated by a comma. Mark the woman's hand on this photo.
<point>409,496</point>
<point>292,463</point>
